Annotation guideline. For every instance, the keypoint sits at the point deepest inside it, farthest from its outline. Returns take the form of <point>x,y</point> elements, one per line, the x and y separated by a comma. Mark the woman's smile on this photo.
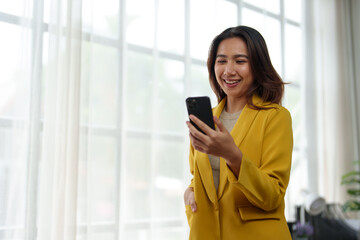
<point>230,83</point>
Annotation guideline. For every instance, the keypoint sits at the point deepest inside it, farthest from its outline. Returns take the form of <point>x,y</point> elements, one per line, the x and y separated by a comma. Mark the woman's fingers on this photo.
<point>189,199</point>
<point>198,144</point>
<point>196,133</point>
<point>193,206</point>
<point>203,126</point>
<point>219,124</point>
<point>213,142</point>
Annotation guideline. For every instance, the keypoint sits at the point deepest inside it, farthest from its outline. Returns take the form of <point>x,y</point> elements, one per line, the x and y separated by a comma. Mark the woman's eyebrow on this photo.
<point>235,56</point>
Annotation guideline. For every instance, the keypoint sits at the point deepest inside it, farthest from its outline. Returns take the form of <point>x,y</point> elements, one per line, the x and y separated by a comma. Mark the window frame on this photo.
<point>119,132</point>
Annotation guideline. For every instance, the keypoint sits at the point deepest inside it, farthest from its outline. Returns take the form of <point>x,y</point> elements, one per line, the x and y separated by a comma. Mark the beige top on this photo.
<point>228,120</point>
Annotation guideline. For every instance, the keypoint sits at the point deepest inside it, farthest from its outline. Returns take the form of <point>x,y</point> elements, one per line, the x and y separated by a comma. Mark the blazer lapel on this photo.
<point>222,179</point>
<point>238,133</point>
<point>204,164</point>
<point>243,124</point>
<point>206,176</point>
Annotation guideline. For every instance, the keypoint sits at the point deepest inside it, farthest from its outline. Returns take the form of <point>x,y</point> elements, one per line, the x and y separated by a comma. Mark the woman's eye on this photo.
<point>240,61</point>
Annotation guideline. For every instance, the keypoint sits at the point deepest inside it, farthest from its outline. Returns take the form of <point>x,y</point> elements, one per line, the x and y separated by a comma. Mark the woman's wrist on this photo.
<point>234,161</point>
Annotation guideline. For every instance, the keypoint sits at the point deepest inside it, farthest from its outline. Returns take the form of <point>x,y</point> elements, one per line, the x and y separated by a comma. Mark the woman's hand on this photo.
<point>215,142</point>
<point>189,199</point>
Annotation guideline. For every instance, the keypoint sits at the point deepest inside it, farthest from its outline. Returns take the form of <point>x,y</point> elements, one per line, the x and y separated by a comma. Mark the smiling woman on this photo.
<point>93,143</point>
<point>241,170</point>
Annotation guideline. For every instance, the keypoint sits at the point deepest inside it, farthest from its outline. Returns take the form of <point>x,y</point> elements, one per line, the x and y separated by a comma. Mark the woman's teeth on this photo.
<point>231,81</point>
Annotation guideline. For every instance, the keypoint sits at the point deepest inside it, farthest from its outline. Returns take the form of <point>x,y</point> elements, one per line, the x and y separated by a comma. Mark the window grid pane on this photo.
<point>140,70</point>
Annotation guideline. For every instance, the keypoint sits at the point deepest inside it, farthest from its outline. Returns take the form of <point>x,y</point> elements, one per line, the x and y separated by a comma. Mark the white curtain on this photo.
<point>59,163</point>
<point>76,162</point>
<point>41,142</point>
<point>51,172</point>
<point>331,94</point>
<point>93,143</point>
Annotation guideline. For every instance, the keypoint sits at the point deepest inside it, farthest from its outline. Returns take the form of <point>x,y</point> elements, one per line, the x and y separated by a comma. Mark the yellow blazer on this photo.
<point>252,206</point>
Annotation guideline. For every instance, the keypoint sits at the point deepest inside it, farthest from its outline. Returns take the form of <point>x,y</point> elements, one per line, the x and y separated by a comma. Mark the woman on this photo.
<point>241,169</point>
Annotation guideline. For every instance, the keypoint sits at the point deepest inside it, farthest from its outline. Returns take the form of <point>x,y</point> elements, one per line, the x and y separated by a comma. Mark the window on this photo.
<point>138,65</point>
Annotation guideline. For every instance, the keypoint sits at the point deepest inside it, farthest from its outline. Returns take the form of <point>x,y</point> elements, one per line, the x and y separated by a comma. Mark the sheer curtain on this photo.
<point>92,116</point>
<point>48,180</point>
<point>332,94</point>
<point>59,164</point>
<point>93,143</point>
<point>47,114</point>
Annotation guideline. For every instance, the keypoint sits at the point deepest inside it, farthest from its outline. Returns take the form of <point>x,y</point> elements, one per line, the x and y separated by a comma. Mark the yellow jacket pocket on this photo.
<point>248,213</point>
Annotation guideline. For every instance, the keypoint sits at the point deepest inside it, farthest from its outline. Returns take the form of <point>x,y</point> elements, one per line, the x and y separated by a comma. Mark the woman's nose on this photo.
<point>229,69</point>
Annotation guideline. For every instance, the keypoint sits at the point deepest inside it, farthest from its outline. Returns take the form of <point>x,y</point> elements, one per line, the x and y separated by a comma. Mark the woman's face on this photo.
<point>232,67</point>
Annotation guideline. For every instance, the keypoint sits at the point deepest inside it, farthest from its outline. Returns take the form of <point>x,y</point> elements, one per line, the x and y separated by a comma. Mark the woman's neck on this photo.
<point>234,105</point>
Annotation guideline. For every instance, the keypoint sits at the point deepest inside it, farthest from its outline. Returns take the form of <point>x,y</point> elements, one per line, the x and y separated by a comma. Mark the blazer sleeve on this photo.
<point>265,186</point>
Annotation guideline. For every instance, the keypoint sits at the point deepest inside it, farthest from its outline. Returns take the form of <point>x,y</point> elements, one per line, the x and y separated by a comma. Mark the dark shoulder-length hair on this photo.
<point>267,83</point>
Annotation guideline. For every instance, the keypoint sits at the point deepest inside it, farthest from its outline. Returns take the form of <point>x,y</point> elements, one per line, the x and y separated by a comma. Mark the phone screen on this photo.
<point>201,108</point>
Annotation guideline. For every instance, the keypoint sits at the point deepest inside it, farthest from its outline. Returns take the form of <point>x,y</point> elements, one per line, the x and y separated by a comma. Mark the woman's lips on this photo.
<point>231,83</point>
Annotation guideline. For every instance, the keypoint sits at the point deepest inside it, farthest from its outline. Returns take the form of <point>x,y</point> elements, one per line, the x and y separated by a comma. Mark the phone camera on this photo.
<point>192,103</point>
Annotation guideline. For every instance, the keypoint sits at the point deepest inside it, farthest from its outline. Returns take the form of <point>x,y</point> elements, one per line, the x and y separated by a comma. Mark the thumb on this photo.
<point>219,124</point>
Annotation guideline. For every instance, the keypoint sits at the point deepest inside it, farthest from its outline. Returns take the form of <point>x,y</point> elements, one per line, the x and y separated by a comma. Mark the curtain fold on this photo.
<point>331,89</point>
<point>355,30</point>
<point>61,130</point>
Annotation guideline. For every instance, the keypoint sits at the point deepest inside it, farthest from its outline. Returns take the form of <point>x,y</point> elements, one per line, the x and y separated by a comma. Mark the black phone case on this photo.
<point>201,108</point>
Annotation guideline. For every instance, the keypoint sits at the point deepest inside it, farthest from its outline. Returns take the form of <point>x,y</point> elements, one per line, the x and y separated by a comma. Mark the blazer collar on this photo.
<point>244,121</point>
<point>238,133</point>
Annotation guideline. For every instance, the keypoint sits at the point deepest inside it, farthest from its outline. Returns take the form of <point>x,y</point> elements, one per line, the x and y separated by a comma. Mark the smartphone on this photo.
<point>201,108</point>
